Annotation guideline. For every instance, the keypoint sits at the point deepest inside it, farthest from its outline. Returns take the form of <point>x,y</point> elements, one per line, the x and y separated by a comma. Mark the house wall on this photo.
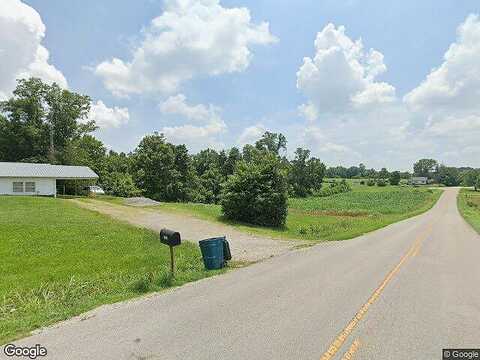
<point>43,186</point>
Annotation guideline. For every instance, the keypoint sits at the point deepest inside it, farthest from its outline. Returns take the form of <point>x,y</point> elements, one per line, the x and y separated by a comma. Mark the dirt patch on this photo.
<point>244,247</point>
<point>140,201</point>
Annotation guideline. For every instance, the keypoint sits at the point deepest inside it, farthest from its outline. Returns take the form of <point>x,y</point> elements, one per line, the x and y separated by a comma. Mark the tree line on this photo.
<point>43,123</point>
<point>447,175</point>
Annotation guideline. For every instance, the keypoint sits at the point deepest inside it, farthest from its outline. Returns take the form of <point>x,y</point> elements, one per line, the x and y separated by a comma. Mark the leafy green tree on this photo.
<point>425,167</point>
<point>394,178</point>
<point>299,177</point>
<point>164,171</point>
<point>41,120</point>
<point>233,157</point>
<point>383,174</point>
<point>272,142</point>
<point>257,192</point>
<point>469,177</point>
<point>477,183</point>
<point>85,151</point>
<point>448,176</point>
<point>120,184</point>
<point>316,173</point>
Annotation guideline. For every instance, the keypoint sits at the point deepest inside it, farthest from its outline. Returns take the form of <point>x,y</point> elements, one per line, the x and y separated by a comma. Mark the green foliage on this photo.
<point>469,206</point>
<point>334,188</point>
<point>120,184</point>
<point>41,121</point>
<point>448,176</point>
<point>371,182</point>
<point>272,142</point>
<point>164,171</point>
<point>305,174</point>
<point>395,178</point>
<point>381,182</point>
<point>257,193</point>
<point>425,167</point>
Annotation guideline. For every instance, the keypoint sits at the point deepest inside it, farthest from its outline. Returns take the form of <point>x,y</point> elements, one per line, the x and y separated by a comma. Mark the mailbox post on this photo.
<point>172,239</point>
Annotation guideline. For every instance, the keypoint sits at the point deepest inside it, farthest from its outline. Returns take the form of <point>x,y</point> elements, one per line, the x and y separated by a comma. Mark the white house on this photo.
<point>421,180</point>
<point>38,179</point>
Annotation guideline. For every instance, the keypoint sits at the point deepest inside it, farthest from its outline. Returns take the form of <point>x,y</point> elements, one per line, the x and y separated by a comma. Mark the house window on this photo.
<point>29,187</point>
<point>18,187</point>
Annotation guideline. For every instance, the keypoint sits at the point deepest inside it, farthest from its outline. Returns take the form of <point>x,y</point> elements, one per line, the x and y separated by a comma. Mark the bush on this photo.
<point>381,182</point>
<point>394,178</point>
<point>371,182</point>
<point>362,182</point>
<point>256,193</point>
<point>120,184</point>
<point>334,188</point>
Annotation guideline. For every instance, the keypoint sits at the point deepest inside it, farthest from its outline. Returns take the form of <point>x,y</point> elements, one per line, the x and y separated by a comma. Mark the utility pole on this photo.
<point>51,154</point>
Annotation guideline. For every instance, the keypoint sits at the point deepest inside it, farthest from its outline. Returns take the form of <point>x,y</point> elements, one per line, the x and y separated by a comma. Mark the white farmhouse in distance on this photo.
<point>38,179</point>
<point>421,180</point>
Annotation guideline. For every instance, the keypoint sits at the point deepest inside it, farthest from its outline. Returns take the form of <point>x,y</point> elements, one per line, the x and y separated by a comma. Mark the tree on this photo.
<point>383,174</point>
<point>425,167</point>
<point>299,177</point>
<point>85,151</point>
<point>305,173</point>
<point>164,171</point>
<point>257,193</point>
<point>41,120</point>
<point>394,178</point>
<point>477,183</point>
<point>316,173</point>
<point>120,184</point>
<point>448,176</point>
<point>272,142</point>
<point>470,177</point>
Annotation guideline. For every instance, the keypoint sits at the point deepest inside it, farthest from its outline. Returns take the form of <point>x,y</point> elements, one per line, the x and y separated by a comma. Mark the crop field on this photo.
<point>469,206</point>
<point>58,261</point>
<point>337,217</point>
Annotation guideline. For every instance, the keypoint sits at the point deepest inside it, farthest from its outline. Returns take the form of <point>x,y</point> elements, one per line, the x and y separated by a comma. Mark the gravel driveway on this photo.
<point>244,247</point>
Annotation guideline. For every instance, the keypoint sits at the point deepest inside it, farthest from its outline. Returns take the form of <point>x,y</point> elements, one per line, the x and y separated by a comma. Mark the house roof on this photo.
<point>9,169</point>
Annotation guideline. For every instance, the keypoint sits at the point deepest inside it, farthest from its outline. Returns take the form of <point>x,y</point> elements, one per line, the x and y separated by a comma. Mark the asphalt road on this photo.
<point>403,292</point>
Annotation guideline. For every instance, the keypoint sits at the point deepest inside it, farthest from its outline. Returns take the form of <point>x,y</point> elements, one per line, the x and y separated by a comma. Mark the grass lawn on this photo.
<point>58,260</point>
<point>469,206</point>
<point>336,217</point>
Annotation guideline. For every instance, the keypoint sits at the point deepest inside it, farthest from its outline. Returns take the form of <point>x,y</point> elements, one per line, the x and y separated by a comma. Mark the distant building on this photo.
<point>419,180</point>
<point>39,179</point>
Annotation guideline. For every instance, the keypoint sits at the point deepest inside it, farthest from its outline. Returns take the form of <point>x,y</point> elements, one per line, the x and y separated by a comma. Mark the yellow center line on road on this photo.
<point>353,349</point>
<point>345,333</point>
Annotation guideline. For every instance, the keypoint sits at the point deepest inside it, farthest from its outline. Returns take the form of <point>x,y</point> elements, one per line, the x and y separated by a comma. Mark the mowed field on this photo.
<point>58,260</point>
<point>469,206</point>
<point>336,217</point>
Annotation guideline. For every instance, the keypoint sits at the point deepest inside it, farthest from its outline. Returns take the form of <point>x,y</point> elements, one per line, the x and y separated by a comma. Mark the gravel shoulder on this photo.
<point>244,247</point>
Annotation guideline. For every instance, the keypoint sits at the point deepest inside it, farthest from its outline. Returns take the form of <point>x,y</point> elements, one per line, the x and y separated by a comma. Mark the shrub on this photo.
<point>381,182</point>
<point>334,188</point>
<point>120,184</point>
<point>394,178</point>
<point>362,182</point>
<point>256,193</point>
<point>371,182</point>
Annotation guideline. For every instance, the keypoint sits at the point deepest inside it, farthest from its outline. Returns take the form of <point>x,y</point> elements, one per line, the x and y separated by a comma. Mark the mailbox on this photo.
<point>170,237</point>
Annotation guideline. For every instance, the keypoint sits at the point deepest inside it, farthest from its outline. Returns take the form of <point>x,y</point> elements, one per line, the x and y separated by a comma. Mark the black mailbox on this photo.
<point>170,237</point>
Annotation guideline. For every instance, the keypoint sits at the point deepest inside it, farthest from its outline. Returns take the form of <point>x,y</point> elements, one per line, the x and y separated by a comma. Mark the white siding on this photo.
<point>42,186</point>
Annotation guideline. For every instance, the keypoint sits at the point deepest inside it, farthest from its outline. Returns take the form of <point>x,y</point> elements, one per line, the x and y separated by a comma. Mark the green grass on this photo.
<point>469,206</point>
<point>58,260</point>
<point>337,217</point>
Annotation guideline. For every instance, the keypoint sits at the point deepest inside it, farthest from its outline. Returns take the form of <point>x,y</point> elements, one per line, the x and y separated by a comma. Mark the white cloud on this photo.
<point>208,124</point>
<point>21,51</point>
<point>191,38</point>
<point>341,75</point>
<point>455,84</point>
<point>106,117</point>
<point>251,134</point>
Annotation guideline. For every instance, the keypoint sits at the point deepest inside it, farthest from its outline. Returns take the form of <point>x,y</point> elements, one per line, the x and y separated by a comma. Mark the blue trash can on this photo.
<point>212,253</point>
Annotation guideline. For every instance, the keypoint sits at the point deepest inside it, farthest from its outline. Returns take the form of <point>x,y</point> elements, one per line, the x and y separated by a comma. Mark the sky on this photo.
<point>382,83</point>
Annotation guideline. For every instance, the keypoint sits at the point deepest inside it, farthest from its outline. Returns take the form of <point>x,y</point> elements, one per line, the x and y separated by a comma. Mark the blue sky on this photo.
<point>233,106</point>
